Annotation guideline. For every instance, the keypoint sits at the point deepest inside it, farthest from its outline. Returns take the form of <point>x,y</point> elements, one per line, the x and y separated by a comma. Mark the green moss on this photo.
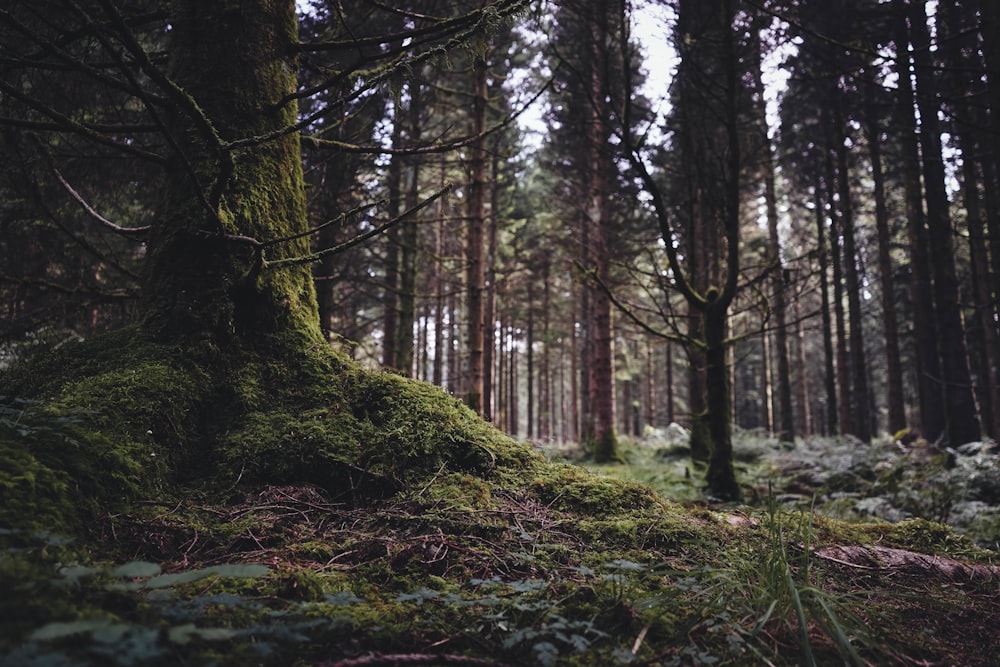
<point>932,538</point>
<point>459,491</point>
<point>570,487</point>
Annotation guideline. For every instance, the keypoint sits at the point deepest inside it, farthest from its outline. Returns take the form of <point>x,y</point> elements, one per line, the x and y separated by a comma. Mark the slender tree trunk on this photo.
<point>861,419</point>
<point>843,376</point>
<point>721,477</point>
<point>602,389</point>
<point>513,406</point>
<point>408,237</point>
<point>650,385</point>
<point>437,376</point>
<point>502,397</point>
<point>894,372</point>
<point>804,411</point>
<point>529,352</point>
<point>454,373</point>
<point>784,418</point>
<point>489,308</point>
<point>925,334</point>
<point>475,268</point>
<point>829,375</point>
<point>566,417</point>
<point>390,299</point>
<point>671,417</point>
<point>956,377</point>
<point>767,384</point>
<point>546,411</point>
<point>575,376</point>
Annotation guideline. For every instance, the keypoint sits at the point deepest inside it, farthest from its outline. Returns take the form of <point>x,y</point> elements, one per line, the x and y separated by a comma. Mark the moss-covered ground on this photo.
<point>311,513</point>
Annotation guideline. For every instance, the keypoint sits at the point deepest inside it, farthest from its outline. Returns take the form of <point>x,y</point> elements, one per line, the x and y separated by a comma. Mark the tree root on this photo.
<point>406,659</point>
<point>909,562</point>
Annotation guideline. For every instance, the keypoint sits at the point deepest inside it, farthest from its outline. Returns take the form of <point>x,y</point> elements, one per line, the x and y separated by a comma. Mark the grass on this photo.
<point>478,551</point>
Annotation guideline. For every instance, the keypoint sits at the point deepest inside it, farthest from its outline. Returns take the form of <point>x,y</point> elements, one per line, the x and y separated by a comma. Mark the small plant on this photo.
<point>783,587</point>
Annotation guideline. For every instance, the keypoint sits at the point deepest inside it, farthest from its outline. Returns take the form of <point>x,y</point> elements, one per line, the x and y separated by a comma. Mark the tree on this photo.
<point>587,89</point>
<point>785,423</point>
<point>708,101</point>
<point>955,379</point>
<point>229,344</point>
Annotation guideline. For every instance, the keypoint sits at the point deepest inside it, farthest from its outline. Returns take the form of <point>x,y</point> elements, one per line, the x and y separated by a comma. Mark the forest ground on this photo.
<point>534,562</point>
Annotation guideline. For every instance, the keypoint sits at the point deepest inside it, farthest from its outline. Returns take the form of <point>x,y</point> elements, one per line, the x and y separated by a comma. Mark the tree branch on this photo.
<point>125,231</point>
<point>357,240</point>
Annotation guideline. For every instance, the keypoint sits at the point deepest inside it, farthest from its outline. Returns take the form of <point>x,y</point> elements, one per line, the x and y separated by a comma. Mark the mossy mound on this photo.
<point>121,417</point>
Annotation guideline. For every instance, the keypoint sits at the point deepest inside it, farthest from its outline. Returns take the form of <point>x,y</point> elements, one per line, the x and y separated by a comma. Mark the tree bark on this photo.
<point>956,377</point>
<point>475,268</point>
<point>925,334</point>
<point>861,418</point>
<point>894,372</point>
<point>829,375</point>
<point>205,280</point>
<point>602,406</point>
<point>784,417</point>
<point>843,376</point>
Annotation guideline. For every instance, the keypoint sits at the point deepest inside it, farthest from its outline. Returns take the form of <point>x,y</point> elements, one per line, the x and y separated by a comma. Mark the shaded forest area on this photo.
<point>847,218</point>
<point>272,272</point>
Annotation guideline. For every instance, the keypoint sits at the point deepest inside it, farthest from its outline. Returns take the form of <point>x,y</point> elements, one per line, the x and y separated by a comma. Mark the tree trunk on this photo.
<point>925,334</point>
<point>546,412</point>
<point>408,238</point>
<point>205,279</point>
<point>390,294</point>
<point>721,477</point>
<point>475,269</point>
<point>437,375</point>
<point>804,411</point>
<point>669,363</point>
<point>894,372</point>
<point>602,381</point>
<point>861,419</point>
<point>956,377</point>
<point>843,424</point>
<point>490,307</point>
<point>784,418</point>
<point>529,352</point>
<point>829,375</point>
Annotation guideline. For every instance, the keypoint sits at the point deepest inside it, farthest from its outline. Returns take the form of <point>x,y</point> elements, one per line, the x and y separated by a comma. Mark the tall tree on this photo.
<point>894,373</point>
<point>709,90</point>
<point>785,418</point>
<point>956,380</point>
<point>474,258</point>
<point>582,45</point>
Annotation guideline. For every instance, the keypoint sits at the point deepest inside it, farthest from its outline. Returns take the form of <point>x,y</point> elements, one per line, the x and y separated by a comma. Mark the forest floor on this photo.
<point>557,565</point>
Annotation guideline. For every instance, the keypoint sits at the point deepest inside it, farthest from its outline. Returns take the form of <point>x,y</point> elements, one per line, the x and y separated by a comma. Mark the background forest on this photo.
<point>542,288</point>
<point>270,269</point>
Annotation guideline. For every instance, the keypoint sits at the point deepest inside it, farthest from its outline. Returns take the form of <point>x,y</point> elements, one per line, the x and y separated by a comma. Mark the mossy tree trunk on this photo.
<point>234,186</point>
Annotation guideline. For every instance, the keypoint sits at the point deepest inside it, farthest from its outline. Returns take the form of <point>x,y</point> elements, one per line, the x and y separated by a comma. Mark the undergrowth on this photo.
<point>331,529</point>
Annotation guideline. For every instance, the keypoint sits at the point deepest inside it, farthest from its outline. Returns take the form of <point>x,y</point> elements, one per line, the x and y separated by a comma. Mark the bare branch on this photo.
<point>357,240</point>
<point>125,231</point>
<point>340,219</point>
